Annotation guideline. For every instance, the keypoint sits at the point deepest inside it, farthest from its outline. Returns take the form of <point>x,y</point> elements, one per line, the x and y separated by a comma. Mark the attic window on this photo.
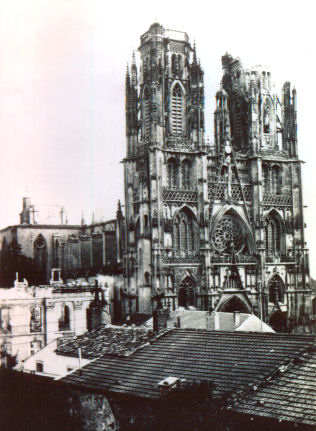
<point>40,366</point>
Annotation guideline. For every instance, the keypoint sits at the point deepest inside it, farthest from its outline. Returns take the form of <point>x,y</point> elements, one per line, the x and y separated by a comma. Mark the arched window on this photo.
<point>146,228</point>
<point>273,235</point>
<point>147,278</point>
<point>276,180</point>
<point>40,257</point>
<point>185,174</point>
<point>146,113</point>
<point>176,110</point>
<point>174,63</point>
<point>266,178</point>
<point>56,254</point>
<point>64,320</point>
<point>180,63</point>
<point>173,174</point>
<point>137,231</point>
<point>36,319</point>
<point>140,259</point>
<point>176,236</point>
<point>190,235</point>
<point>184,238</point>
<point>266,118</point>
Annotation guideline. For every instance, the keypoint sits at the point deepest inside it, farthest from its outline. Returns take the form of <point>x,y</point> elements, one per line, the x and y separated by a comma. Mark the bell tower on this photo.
<point>273,263</point>
<point>165,166</point>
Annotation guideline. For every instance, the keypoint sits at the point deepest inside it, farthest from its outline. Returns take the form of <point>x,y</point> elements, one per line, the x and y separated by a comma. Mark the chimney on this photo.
<point>236,319</point>
<point>160,319</point>
<point>216,321</point>
<point>208,320</point>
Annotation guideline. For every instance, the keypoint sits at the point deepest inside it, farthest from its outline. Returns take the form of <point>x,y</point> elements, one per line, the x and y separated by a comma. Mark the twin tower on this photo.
<point>215,227</point>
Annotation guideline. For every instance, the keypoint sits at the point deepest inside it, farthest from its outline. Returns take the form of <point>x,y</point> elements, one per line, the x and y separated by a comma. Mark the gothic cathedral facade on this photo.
<point>214,227</point>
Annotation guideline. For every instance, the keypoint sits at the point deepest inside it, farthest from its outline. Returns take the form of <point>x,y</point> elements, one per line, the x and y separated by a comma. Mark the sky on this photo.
<point>62,76</point>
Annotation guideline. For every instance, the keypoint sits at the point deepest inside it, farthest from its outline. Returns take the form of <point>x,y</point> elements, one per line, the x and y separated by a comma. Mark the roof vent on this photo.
<point>169,382</point>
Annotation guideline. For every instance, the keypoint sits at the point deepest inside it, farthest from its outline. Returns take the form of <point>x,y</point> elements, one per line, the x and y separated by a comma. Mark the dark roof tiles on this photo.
<point>108,340</point>
<point>289,396</point>
<point>231,360</point>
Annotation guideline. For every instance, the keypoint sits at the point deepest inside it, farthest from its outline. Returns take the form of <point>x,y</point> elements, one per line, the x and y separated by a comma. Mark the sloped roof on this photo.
<point>254,324</point>
<point>103,340</point>
<point>289,396</point>
<point>203,320</point>
<point>231,360</point>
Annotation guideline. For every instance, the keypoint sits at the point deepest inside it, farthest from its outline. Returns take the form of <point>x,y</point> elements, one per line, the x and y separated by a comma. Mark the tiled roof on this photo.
<point>290,396</point>
<point>103,340</point>
<point>231,360</point>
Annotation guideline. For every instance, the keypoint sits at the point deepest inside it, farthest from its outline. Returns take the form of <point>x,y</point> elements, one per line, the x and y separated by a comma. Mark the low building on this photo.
<point>64,355</point>
<point>191,379</point>
<point>46,240</point>
<point>32,317</point>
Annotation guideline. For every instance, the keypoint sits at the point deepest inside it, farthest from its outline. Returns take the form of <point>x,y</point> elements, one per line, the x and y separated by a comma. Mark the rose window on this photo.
<point>228,232</point>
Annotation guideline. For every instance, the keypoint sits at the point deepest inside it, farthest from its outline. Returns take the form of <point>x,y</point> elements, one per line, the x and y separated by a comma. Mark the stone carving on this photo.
<point>179,195</point>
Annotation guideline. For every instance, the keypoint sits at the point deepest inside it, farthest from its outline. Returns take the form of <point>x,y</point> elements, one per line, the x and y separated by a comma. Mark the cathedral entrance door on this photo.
<point>278,321</point>
<point>186,293</point>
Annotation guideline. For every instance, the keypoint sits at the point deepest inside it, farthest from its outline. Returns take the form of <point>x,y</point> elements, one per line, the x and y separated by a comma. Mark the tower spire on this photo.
<point>194,54</point>
<point>133,71</point>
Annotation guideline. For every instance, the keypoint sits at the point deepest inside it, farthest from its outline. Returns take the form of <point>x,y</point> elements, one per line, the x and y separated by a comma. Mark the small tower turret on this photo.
<point>221,121</point>
<point>289,120</point>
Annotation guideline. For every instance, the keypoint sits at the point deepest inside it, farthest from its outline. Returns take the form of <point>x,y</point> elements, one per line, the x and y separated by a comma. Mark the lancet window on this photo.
<point>266,178</point>
<point>273,235</point>
<point>177,104</point>
<point>185,174</point>
<point>266,118</point>
<point>146,113</point>
<point>173,174</point>
<point>184,240</point>
<point>276,180</point>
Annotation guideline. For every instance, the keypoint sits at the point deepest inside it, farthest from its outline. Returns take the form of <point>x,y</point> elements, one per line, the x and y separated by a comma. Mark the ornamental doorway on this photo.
<point>278,321</point>
<point>186,293</point>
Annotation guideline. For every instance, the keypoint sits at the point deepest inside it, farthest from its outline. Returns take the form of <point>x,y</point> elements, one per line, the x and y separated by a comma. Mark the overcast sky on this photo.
<point>63,63</point>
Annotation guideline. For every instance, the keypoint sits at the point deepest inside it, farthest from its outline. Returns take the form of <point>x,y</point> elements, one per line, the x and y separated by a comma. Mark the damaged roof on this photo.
<point>232,361</point>
<point>289,395</point>
<point>106,340</point>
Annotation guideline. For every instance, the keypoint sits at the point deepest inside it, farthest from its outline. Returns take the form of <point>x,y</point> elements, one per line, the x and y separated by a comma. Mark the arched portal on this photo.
<point>278,321</point>
<point>186,293</point>
<point>234,303</point>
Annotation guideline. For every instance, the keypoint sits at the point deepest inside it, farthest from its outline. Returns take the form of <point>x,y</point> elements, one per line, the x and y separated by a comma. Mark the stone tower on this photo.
<point>213,227</point>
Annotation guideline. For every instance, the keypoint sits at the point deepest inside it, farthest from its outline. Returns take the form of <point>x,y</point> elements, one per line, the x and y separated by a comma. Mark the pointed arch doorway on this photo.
<point>186,293</point>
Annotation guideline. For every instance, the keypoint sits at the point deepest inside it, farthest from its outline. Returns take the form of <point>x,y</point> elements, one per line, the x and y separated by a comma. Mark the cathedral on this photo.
<point>212,226</point>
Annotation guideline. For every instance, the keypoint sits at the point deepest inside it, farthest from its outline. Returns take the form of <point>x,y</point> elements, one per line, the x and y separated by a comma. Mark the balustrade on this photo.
<point>277,200</point>
<point>179,195</point>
